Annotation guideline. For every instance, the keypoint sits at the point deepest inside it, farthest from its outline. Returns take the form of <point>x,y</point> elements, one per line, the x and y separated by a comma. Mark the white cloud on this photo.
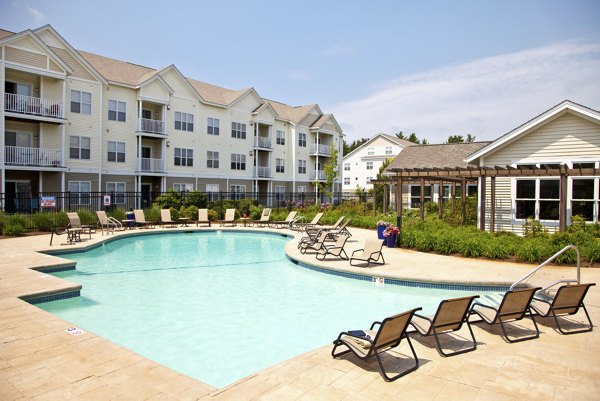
<point>486,97</point>
<point>36,15</point>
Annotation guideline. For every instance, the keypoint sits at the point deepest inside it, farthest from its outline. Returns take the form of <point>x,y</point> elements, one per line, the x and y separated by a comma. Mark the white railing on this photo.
<point>23,156</point>
<point>317,175</point>
<point>262,142</point>
<point>320,150</point>
<point>262,172</point>
<point>152,165</point>
<point>33,105</point>
<point>151,126</point>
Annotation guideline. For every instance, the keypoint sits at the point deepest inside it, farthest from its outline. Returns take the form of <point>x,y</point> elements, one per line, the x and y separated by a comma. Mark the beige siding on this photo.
<point>266,116</point>
<point>247,103</point>
<point>129,181</point>
<point>155,90</point>
<point>180,88</point>
<point>55,67</point>
<point>93,178</point>
<point>17,76</point>
<point>79,70</point>
<point>120,131</point>
<point>83,124</point>
<point>309,119</point>
<point>26,57</point>
<point>26,43</point>
<point>51,89</point>
<point>52,181</point>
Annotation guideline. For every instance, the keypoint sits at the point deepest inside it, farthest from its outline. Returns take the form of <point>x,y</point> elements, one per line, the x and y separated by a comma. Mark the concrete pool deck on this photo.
<point>40,360</point>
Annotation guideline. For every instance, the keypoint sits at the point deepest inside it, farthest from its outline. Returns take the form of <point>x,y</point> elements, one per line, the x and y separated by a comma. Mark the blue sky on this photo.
<point>436,68</point>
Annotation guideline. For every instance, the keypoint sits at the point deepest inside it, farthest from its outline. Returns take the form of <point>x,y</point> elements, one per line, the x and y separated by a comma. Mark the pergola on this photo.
<point>471,173</point>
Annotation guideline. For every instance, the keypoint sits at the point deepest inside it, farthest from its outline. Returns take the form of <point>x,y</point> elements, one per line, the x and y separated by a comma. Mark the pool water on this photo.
<point>218,306</point>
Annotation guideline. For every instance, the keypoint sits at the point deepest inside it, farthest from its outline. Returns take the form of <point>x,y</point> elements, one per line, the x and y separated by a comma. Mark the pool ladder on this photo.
<point>546,289</point>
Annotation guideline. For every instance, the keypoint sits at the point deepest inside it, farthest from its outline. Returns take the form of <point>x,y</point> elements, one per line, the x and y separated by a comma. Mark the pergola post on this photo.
<point>453,196</point>
<point>385,198</point>
<point>492,203</point>
<point>562,203</point>
<point>482,202</point>
<point>463,200</point>
<point>399,208</point>
<point>422,198</point>
<point>441,200</point>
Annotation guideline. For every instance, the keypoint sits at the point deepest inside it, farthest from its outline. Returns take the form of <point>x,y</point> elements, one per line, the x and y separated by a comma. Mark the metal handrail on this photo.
<point>557,254</point>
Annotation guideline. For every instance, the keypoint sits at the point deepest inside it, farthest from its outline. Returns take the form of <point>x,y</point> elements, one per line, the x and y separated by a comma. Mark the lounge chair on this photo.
<point>284,223</point>
<point>371,253</point>
<point>203,217</point>
<point>73,234</point>
<point>566,302</point>
<point>229,217</point>
<point>110,223</point>
<point>391,332</point>
<point>341,230</point>
<point>140,219</point>
<point>75,223</point>
<point>300,223</point>
<point>264,218</point>
<point>515,305</point>
<point>313,231</point>
<point>165,218</point>
<point>336,249</point>
<point>449,317</point>
<point>315,246</point>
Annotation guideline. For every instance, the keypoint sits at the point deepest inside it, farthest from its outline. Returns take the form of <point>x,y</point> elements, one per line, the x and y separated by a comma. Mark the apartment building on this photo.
<point>80,122</point>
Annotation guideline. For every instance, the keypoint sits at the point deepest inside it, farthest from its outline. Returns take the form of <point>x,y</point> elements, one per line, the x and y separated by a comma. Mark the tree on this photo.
<point>412,138</point>
<point>456,139</point>
<point>353,145</point>
<point>470,138</point>
<point>378,189</point>
<point>331,172</point>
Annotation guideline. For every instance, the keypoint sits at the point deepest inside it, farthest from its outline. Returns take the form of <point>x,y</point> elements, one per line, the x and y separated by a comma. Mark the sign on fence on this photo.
<point>48,202</point>
<point>106,200</point>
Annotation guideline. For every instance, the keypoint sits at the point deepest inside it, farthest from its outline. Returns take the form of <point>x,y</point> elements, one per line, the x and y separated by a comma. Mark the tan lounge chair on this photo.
<point>75,223</point>
<point>264,218</point>
<point>140,219</point>
<point>203,217</point>
<point>313,231</point>
<point>515,306</point>
<point>371,253</point>
<point>449,317</point>
<point>336,250</point>
<point>315,246</point>
<point>566,302</point>
<point>109,223</point>
<point>391,332</point>
<point>300,225</point>
<point>229,217</point>
<point>165,218</point>
<point>73,234</point>
<point>284,223</point>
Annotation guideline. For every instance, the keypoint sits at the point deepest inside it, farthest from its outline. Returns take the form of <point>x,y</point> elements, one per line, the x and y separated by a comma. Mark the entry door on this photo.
<point>146,195</point>
<point>147,114</point>
<point>22,139</point>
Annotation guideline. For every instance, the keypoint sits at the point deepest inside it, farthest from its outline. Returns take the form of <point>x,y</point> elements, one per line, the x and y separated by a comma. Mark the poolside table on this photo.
<point>184,221</point>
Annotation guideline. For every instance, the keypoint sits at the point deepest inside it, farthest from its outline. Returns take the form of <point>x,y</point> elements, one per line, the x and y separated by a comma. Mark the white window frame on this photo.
<point>280,137</point>
<point>119,109</point>
<point>238,130</point>
<point>279,165</point>
<point>80,147</point>
<point>82,190</point>
<point>595,200</point>
<point>346,166</point>
<point>237,191</point>
<point>82,101</point>
<point>212,126</point>
<point>388,150</point>
<point>346,180</point>
<point>184,121</point>
<point>118,148</point>
<point>371,151</point>
<point>238,161</point>
<point>301,189</point>
<point>182,187</point>
<point>212,159</point>
<point>117,189</point>
<point>301,166</point>
<point>302,139</point>
<point>369,165</point>
<point>183,157</point>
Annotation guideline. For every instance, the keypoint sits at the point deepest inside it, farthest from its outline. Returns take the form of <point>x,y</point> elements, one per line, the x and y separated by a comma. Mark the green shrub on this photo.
<point>197,199</point>
<point>87,217</point>
<point>213,215</point>
<point>447,242</point>
<point>472,247</point>
<point>153,214</point>
<point>425,241</point>
<point>44,221</point>
<point>170,199</point>
<point>13,227</point>
<point>591,251</point>
<point>191,212</point>
<point>119,213</point>
<point>533,228</point>
<point>534,250</point>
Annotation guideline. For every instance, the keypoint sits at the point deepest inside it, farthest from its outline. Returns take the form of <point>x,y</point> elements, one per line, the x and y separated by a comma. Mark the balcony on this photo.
<point>317,175</point>
<point>262,172</point>
<point>320,150</point>
<point>262,142</point>
<point>34,106</point>
<point>148,165</point>
<point>151,126</point>
<point>38,157</point>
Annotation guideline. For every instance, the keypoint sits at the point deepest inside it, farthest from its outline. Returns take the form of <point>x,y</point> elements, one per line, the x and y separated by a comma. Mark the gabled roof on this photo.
<point>393,139</point>
<point>5,33</point>
<point>547,116</point>
<point>446,155</point>
<point>264,106</point>
<point>216,94</point>
<point>291,113</point>
<point>117,71</point>
<point>321,121</point>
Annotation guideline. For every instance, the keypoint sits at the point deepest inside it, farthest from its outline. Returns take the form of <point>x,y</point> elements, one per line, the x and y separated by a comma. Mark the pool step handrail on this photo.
<point>550,259</point>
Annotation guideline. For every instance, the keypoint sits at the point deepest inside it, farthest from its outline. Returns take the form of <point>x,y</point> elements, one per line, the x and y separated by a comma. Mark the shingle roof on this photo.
<point>435,156</point>
<point>399,141</point>
<point>293,114</point>
<point>216,94</point>
<point>118,71</point>
<point>5,34</point>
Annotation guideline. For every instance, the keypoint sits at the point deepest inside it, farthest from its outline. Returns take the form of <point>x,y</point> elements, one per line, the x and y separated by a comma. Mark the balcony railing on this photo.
<point>262,172</point>
<point>23,156</point>
<point>152,165</point>
<point>262,142</point>
<point>33,105</point>
<point>151,126</point>
<point>317,175</point>
<point>320,150</point>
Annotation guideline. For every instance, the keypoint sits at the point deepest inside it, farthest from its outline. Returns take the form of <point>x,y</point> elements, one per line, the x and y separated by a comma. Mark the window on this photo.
<point>117,191</point>
<point>280,194</point>
<point>184,157</point>
<point>79,147</point>
<point>346,180</point>
<point>346,166</point>
<point>238,161</point>
<point>116,151</point>
<point>279,165</point>
<point>537,198</point>
<point>369,165</point>
<point>238,130</point>
<point>582,198</point>
<point>184,121</point>
<point>415,195</point>
<point>81,102</point>
<point>301,166</point>
<point>237,192</point>
<point>117,111</point>
<point>79,192</point>
<point>280,135</point>
<point>212,159</point>
<point>370,151</point>
<point>302,189</point>
<point>302,139</point>
<point>212,192</point>
<point>182,187</point>
<point>368,182</point>
<point>388,150</point>
<point>212,127</point>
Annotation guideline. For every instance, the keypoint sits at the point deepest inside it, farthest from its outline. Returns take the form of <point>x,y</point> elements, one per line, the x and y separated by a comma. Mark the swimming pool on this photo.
<point>219,306</point>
